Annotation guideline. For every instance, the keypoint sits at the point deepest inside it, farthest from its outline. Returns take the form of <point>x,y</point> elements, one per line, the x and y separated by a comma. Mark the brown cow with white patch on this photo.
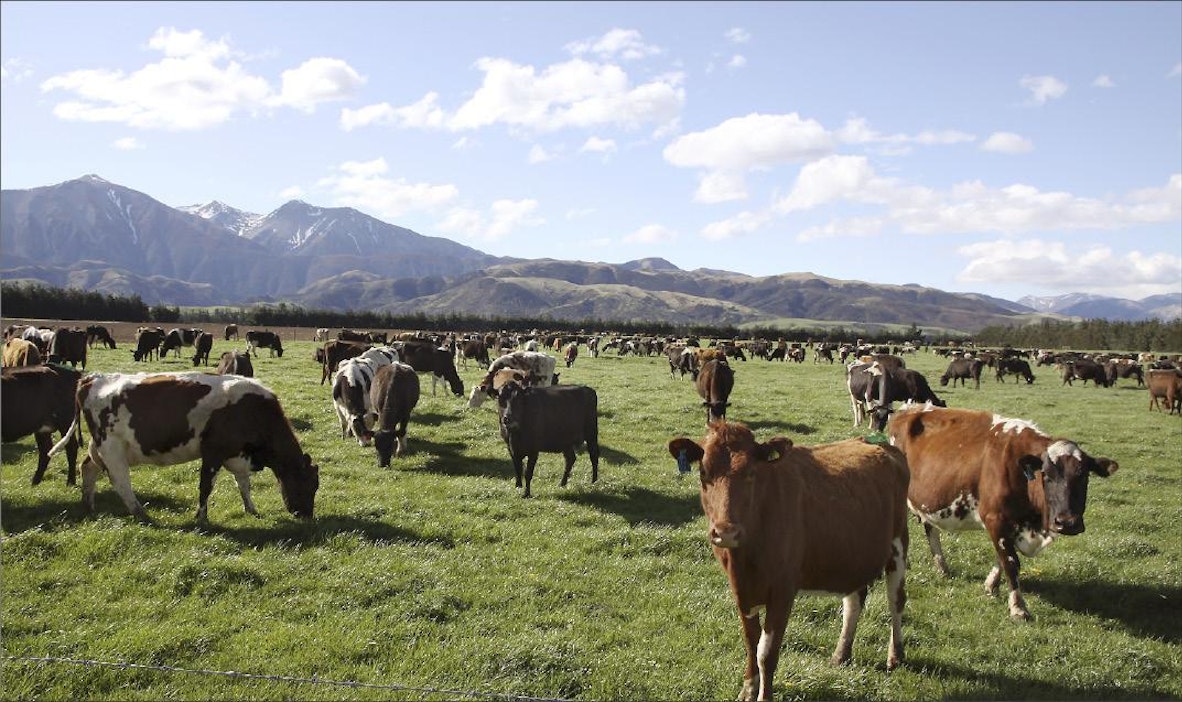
<point>235,363</point>
<point>977,470</point>
<point>171,418</point>
<point>787,519</point>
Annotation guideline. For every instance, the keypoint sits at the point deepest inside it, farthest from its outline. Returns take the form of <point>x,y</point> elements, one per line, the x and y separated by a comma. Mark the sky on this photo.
<point>1008,149</point>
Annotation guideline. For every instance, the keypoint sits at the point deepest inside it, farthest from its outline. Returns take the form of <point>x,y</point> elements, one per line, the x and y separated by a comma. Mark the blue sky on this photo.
<point>1004,148</point>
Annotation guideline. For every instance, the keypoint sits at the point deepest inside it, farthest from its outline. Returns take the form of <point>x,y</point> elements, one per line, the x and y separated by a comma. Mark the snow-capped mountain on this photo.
<point>229,218</point>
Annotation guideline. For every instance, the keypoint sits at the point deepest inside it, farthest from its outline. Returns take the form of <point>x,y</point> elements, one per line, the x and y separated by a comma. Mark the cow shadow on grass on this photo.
<point>451,460</point>
<point>17,518</point>
<point>15,453</point>
<point>950,677</point>
<point>1144,610</point>
<point>640,505</point>
<point>780,426</point>
<point>322,530</point>
<point>430,419</point>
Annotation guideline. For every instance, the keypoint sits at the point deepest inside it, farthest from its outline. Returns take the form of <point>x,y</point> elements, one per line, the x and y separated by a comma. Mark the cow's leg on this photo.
<point>72,460</point>
<point>517,466</point>
<point>90,473</point>
<point>771,637</point>
<point>530,461</point>
<point>569,455</point>
<point>400,434</point>
<point>751,635</point>
<point>241,469</point>
<point>119,473</point>
<point>44,443</point>
<point>933,534</point>
<point>209,471</point>
<point>593,453</point>
<point>851,610</point>
<point>896,575</point>
<point>1007,559</point>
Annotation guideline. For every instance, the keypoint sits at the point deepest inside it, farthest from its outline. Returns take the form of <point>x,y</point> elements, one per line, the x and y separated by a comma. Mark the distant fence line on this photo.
<point>314,680</point>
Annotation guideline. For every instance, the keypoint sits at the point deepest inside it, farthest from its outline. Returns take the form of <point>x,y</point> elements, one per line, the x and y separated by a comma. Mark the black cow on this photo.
<point>39,400</point>
<point>874,389</point>
<point>173,341</point>
<point>962,369</point>
<point>548,419</point>
<point>97,334</point>
<point>266,339</point>
<point>1016,367</point>
<point>425,357</point>
<point>68,346</point>
<point>1085,369</point>
<point>147,343</point>
<point>202,345</point>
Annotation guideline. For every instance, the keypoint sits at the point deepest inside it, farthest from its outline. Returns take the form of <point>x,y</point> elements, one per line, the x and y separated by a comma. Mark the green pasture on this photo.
<point>436,580</point>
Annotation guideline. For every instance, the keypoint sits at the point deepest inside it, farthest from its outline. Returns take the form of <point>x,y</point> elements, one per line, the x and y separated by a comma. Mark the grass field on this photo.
<point>436,575</point>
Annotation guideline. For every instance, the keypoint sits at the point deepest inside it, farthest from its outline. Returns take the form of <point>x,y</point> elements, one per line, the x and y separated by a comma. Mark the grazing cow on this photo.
<point>18,352</point>
<point>1123,368</point>
<point>1166,385</point>
<point>962,369</point>
<point>231,330</point>
<point>147,343</point>
<point>426,357</point>
<point>266,339</point>
<point>1016,367</point>
<point>393,395</point>
<point>39,400</point>
<point>202,345</point>
<point>350,392</point>
<point>321,334</point>
<point>173,341</point>
<point>97,334</point>
<point>1085,369</point>
<point>715,382</point>
<point>874,390</point>
<point>236,363</point>
<point>548,419</point>
<point>822,352</point>
<point>352,335</point>
<point>333,352</point>
<point>68,346</point>
<point>538,367</point>
<point>571,353</point>
<point>189,336</point>
<point>972,469</point>
<point>788,519</point>
<point>473,348</point>
<point>682,360</point>
<point>171,418</point>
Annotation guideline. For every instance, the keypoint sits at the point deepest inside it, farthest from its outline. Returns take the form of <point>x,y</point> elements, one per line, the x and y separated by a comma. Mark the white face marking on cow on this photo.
<point>960,515</point>
<point>1061,449</point>
<point>1006,424</point>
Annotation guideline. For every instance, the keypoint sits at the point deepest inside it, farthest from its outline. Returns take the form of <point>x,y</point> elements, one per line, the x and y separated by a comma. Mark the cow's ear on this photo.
<point>774,449</point>
<point>693,450</point>
<point>1029,464</point>
<point>1104,467</point>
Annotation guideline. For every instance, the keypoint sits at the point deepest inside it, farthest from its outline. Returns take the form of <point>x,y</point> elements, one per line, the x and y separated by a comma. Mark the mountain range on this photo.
<point>93,234</point>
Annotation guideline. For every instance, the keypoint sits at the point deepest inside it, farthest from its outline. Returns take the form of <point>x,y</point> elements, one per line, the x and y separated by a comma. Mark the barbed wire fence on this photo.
<point>424,691</point>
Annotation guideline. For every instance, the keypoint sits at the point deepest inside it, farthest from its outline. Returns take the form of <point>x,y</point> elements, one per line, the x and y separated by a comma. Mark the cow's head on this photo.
<point>1063,470</point>
<point>386,442</point>
<point>511,400</point>
<point>298,485</point>
<point>730,464</point>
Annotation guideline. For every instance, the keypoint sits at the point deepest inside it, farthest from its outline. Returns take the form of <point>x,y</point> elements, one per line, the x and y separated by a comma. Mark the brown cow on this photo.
<point>1167,385</point>
<point>426,357</point>
<point>39,400</point>
<point>972,469</point>
<point>18,352</point>
<point>393,395</point>
<point>236,363</point>
<point>715,382</point>
<point>333,352</point>
<point>786,519</point>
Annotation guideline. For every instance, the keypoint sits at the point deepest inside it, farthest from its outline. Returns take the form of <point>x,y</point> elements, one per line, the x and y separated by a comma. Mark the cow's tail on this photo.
<point>75,430</point>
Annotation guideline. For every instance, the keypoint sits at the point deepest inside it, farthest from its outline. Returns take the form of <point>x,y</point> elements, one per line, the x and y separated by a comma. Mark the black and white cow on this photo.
<point>266,339</point>
<point>538,366</point>
<point>350,392</point>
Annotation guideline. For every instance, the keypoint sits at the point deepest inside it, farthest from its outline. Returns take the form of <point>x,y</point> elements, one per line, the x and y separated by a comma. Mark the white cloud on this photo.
<point>651,234</point>
<point>463,143</point>
<point>294,192</point>
<point>843,228</point>
<point>834,178</point>
<point>598,145</point>
<point>502,218</point>
<point>425,113</point>
<point>538,154</point>
<point>626,44</point>
<point>197,84</point>
<point>1175,71</point>
<point>738,35</point>
<point>365,186</point>
<point>1007,143</point>
<point>15,69</point>
<point>318,80</point>
<point>740,224</point>
<point>737,61</point>
<point>1043,88</point>
<point>127,144</point>
<point>1103,81</point>
<point>580,213</point>
<point>1059,265</point>
<point>858,131</point>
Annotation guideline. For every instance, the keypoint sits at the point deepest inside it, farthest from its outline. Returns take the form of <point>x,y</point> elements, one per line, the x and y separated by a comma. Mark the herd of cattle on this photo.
<point>768,504</point>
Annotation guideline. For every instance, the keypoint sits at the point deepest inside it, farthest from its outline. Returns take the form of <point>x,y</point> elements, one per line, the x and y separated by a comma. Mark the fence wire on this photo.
<point>314,680</point>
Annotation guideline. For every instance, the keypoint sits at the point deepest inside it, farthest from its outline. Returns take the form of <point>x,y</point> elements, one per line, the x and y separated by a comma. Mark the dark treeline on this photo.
<point>37,301</point>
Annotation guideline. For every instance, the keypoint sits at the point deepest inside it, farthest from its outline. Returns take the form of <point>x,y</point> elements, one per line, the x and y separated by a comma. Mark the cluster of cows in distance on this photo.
<point>947,467</point>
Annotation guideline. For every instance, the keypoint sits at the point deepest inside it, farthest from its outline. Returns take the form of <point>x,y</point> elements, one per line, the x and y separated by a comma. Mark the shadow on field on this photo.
<point>300,425</point>
<point>1015,687</point>
<point>452,460</point>
<point>1145,610</point>
<point>431,419</point>
<point>780,426</point>
<point>17,518</point>
<point>322,529</point>
<point>639,505</point>
<point>14,453</point>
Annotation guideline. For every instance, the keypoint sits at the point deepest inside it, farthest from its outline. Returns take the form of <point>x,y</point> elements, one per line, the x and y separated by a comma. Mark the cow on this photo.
<point>548,419</point>
<point>321,334</point>
<point>202,345</point>
<point>231,330</point>
<point>68,346</point>
<point>98,334</point>
<point>1085,369</point>
<point>962,369</point>
<point>682,360</point>
<point>171,418</point>
<point>538,367</point>
<point>1166,385</point>
<point>18,352</point>
<point>350,392</point>
<point>173,341</point>
<point>474,349</point>
<point>352,335</point>
<point>1016,367</point>
<point>266,339</point>
<point>236,363</point>
<point>715,382</point>
<point>333,352</point>
<point>786,519</point>
<point>39,400</point>
<point>393,395</point>
<point>972,469</point>
<point>873,391</point>
<point>1124,368</point>
<point>147,343</point>
<point>570,353</point>
<point>426,357</point>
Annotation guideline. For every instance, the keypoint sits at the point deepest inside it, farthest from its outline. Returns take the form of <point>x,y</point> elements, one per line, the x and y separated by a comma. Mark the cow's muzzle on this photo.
<point>725,535</point>
<point>1069,524</point>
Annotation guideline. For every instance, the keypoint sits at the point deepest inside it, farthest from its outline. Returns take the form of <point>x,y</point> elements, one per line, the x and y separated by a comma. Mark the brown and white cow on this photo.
<point>235,363</point>
<point>715,382</point>
<point>202,345</point>
<point>39,400</point>
<point>538,367</point>
<point>393,395</point>
<point>972,469</point>
<point>787,519</point>
<point>171,418</point>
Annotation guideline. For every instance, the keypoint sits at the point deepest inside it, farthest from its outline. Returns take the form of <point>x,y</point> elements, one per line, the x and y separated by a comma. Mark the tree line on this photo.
<point>40,301</point>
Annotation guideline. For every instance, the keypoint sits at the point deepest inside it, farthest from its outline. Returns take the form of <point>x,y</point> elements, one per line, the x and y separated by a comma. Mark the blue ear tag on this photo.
<point>683,465</point>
